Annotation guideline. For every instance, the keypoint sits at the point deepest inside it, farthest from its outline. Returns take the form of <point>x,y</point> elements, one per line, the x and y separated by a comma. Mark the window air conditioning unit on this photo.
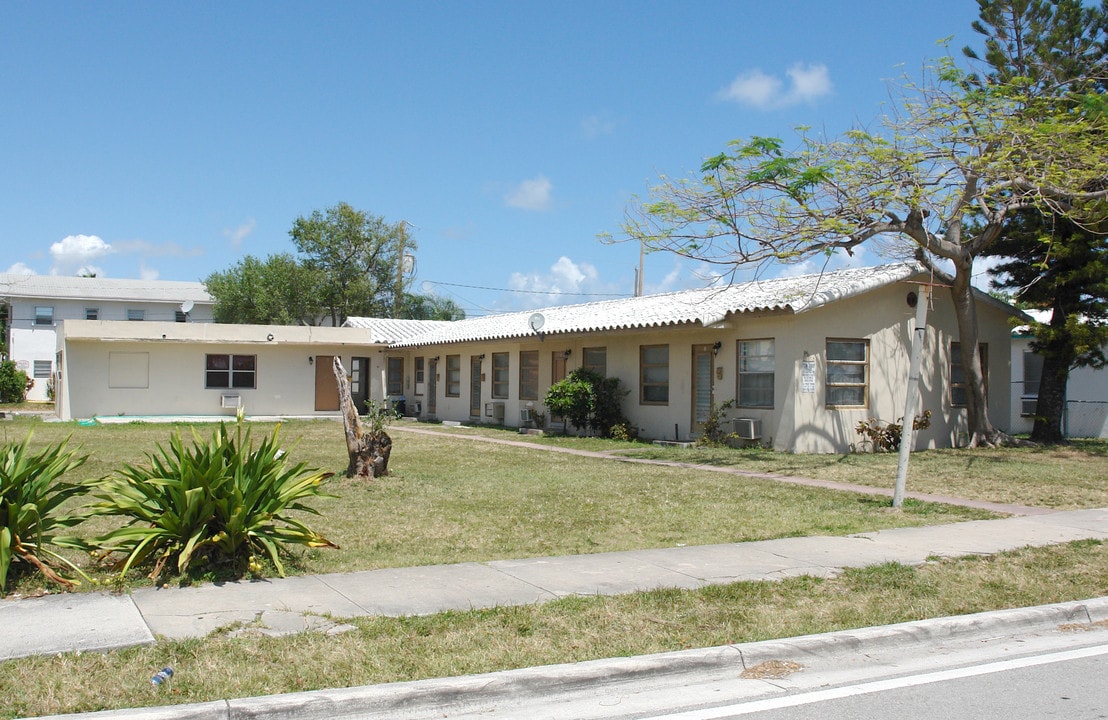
<point>495,410</point>
<point>1028,406</point>
<point>526,415</point>
<point>230,401</point>
<point>748,428</point>
<point>417,407</point>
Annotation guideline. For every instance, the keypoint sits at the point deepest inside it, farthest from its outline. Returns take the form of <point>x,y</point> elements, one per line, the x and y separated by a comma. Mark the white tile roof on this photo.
<point>385,330</point>
<point>706,306</point>
<point>82,288</point>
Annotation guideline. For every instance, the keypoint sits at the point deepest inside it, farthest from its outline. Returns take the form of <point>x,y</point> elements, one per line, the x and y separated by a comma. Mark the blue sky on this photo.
<point>168,140</point>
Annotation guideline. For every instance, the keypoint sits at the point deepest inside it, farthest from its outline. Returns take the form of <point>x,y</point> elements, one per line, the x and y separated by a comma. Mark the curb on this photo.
<point>402,699</point>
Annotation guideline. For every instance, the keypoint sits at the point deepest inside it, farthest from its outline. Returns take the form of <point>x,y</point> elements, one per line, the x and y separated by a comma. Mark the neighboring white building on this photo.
<point>1086,412</point>
<point>35,305</point>
<point>804,358</point>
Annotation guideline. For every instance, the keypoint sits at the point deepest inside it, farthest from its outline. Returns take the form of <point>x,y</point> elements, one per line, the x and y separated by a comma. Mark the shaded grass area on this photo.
<point>572,629</point>
<point>449,500</point>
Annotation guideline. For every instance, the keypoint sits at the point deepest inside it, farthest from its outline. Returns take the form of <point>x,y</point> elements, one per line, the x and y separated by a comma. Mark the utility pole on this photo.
<point>402,234</point>
<point>907,431</point>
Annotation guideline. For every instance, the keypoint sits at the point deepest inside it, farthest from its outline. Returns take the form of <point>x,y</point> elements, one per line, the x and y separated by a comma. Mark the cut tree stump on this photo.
<point>369,450</point>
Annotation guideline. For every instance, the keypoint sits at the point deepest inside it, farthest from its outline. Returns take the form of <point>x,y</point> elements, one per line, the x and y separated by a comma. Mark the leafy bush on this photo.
<point>714,433</point>
<point>30,502</point>
<point>217,504</point>
<point>885,436</point>
<point>14,383</point>
<point>588,400</point>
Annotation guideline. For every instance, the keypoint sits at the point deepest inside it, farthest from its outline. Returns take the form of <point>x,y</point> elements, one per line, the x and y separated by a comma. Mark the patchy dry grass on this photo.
<point>568,630</point>
<point>450,499</point>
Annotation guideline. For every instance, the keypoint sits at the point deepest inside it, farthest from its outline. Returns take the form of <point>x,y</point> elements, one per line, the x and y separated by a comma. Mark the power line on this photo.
<point>527,292</point>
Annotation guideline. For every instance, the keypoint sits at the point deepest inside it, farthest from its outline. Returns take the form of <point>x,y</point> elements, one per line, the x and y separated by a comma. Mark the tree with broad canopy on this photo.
<point>951,151</point>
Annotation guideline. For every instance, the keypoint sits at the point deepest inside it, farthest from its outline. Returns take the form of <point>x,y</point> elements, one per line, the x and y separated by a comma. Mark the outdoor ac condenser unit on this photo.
<point>748,428</point>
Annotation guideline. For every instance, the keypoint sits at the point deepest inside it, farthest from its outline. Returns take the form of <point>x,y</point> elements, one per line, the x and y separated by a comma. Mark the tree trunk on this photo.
<point>369,451</point>
<point>1051,403</point>
<point>978,425</point>
<point>1058,356</point>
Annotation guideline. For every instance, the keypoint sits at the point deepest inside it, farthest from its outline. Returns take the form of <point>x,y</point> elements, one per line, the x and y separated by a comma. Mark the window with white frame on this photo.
<point>1032,376</point>
<point>756,373</point>
<point>654,374</point>
<point>230,371</point>
<point>44,315</point>
<point>43,368</point>
<point>847,373</point>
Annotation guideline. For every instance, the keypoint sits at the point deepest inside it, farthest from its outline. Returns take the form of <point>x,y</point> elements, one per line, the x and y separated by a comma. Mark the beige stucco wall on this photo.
<point>103,377</point>
<point>800,421</point>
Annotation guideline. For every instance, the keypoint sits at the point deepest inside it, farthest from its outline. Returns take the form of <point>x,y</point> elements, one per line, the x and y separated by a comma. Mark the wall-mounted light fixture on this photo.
<point>567,353</point>
<point>269,337</point>
<point>715,347</point>
<point>479,357</point>
<point>311,360</point>
<point>435,359</point>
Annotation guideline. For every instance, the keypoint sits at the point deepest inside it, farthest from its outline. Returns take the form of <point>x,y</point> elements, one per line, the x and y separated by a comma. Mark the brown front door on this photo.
<point>326,391</point>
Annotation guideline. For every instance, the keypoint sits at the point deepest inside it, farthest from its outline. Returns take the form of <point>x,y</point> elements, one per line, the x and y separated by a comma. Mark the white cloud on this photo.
<point>144,247</point>
<point>147,273</point>
<point>74,254</point>
<point>534,194</point>
<point>240,233</point>
<point>806,83</point>
<point>20,269</point>
<point>594,126</point>
<point>565,276</point>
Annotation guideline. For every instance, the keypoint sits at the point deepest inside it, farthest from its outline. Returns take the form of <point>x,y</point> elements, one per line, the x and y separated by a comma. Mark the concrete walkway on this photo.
<point>100,621</point>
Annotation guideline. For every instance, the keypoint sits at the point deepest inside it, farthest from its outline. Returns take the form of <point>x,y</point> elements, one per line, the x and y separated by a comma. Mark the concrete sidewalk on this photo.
<point>100,621</point>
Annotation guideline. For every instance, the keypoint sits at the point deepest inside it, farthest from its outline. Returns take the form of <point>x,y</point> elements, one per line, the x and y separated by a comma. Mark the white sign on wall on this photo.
<point>808,376</point>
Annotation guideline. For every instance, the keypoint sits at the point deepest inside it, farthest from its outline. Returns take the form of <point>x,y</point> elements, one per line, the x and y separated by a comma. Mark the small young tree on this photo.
<point>588,400</point>
<point>13,383</point>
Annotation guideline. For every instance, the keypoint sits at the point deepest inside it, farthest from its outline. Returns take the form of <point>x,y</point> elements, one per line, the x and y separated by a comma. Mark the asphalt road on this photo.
<point>1070,684</point>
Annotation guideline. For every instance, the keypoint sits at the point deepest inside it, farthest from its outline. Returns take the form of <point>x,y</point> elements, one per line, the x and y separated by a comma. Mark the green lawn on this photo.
<point>451,499</point>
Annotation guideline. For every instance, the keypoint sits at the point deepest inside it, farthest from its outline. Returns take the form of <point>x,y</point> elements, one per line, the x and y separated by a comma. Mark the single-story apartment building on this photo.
<point>34,305</point>
<point>803,358</point>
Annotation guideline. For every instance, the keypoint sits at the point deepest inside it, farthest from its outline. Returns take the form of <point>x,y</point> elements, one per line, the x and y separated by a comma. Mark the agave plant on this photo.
<point>214,503</point>
<point>31,497</point>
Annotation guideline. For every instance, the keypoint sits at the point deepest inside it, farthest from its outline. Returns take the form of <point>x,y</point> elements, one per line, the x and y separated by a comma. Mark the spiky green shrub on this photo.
<point>215,505</point>
<point>31,497</point>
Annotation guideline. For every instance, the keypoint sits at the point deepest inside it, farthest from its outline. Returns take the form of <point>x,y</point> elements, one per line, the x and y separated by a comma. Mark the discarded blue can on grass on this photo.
<point>162,676</point>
